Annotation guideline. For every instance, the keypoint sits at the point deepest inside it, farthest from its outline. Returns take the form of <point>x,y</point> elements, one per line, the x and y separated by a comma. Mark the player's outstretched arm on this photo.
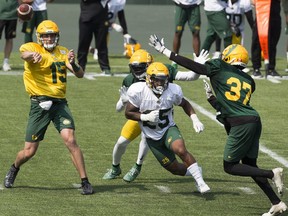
<point>158,45</point>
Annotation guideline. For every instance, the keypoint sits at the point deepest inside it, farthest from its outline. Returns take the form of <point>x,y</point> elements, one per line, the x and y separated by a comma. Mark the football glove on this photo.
<point>158,44</point>
<point>123,94</point>
<point>153,116</point>
<point>207,88</point>
<point>203,57</point>
<point>197,125</point>
<point>117,27</point>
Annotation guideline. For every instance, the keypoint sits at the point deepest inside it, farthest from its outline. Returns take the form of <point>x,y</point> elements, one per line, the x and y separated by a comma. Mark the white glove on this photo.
<point>123,94</point>
<point>203,57</point>
<point>127,36</point>
<point>153,116</point>
<point>156,43</point>
<point>46,105</point>
<point>207,88</point>
<point>197,125</point>
<point>117,27</point>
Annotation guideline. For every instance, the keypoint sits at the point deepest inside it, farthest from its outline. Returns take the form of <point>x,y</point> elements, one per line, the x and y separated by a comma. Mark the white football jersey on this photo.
<point>214,5</point>
<point>39,5</point>
<point>142,97</point>
<point>114,6</point>
<point>188,2</point>
<point>236,12</point>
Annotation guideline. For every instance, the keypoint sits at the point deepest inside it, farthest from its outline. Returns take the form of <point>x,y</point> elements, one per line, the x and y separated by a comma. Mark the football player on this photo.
<point>45,75</point>
<point>233,89</point>
<point>151,104</point>
<point>138,65</point>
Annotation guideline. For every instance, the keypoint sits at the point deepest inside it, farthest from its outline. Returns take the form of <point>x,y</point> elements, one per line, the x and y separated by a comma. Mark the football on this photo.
<point>25,12</point>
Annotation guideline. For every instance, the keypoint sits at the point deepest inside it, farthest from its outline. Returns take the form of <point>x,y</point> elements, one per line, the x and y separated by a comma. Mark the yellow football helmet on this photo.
<point>139,62</point>
<point>130,46</point>
<point>235,54</point>
<point>157,77</point>
<point>47,27</point>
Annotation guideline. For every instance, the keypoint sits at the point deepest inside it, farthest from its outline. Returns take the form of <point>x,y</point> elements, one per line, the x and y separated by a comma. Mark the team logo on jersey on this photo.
<point>63,52</point>
<point>179,28</point>
<point>34,137</point>
<point>169,139</point>
<point>66,122</point>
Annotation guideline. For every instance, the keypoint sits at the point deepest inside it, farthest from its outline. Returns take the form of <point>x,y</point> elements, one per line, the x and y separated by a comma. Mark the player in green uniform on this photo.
<point>233,89</point>
<point>45,74</point>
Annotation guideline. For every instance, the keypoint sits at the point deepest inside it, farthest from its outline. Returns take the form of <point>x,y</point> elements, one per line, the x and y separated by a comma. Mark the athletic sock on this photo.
<point>194,170</point>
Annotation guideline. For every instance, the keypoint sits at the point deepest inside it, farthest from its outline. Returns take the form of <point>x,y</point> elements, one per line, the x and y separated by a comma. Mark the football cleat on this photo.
<point>10,177</point>
<point>6,67</point>
<point>257,73</point>
<point>112,173</point>
<point>87,188</point>
<point>203,188</point>
<point>132,173</point>
<point>276,209</point>
<point>278,179</point>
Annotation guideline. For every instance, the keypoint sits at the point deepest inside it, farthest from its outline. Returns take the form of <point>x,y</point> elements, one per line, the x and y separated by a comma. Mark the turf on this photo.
<point>45,185</point>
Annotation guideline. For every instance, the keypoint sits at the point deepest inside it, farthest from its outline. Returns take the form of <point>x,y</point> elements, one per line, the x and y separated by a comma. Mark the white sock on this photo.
<point>195,171</point>
<point>287,56</point>
<point>143,150</point>
<point>119,150</point>
<point>6,61</point>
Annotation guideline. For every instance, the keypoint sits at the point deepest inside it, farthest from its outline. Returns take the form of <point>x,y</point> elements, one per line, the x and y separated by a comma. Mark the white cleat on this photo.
<point>276,209</point>
<point>203,188</point>
<point>278,179</point>
<point>6,67</point>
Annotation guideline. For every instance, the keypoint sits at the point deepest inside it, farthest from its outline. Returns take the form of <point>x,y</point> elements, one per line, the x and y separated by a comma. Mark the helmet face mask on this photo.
<point>235,54</point>
<point>157,77</point>
<point>139,70</point>
<point>139,63</point>
<point>47,34</point>
<point>159,84</point>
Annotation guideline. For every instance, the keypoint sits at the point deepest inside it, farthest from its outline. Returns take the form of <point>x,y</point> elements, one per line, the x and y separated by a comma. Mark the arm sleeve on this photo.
<point>122,21</point>
<point>188,63</point>
<point>186,76</point>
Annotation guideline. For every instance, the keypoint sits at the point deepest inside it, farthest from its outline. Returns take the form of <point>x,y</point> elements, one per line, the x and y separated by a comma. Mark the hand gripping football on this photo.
<point>25,12</point>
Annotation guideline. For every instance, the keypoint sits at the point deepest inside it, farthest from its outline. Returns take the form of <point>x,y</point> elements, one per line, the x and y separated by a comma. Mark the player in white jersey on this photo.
<point>236,13</point>
<point>151,104</point>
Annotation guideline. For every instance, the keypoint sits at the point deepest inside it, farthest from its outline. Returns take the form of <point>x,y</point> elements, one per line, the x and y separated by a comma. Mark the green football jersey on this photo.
<point>232,87</point>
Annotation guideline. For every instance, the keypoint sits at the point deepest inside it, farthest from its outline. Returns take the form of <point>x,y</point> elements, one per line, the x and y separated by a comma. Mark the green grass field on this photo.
<point>45,185</point>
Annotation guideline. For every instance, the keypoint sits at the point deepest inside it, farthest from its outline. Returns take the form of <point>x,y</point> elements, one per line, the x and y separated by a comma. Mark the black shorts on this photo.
<point>10,28</point>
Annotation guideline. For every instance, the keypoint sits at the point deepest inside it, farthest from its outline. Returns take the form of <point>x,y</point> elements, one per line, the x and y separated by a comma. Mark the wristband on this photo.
<point>75,67</point>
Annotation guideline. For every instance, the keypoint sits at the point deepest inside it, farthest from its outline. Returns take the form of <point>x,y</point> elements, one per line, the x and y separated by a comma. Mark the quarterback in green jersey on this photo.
<point>233,89</point>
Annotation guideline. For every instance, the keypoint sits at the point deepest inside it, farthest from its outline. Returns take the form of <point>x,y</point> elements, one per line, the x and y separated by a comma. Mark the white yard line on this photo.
<point>247,190</point>
<point>163,189</point>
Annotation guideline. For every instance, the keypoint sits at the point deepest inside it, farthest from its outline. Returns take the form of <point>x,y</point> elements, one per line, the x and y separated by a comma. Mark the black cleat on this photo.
<point>87,188</point>
<point>257,73</point>
<point>273,73</point>
<point>10,177</point>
